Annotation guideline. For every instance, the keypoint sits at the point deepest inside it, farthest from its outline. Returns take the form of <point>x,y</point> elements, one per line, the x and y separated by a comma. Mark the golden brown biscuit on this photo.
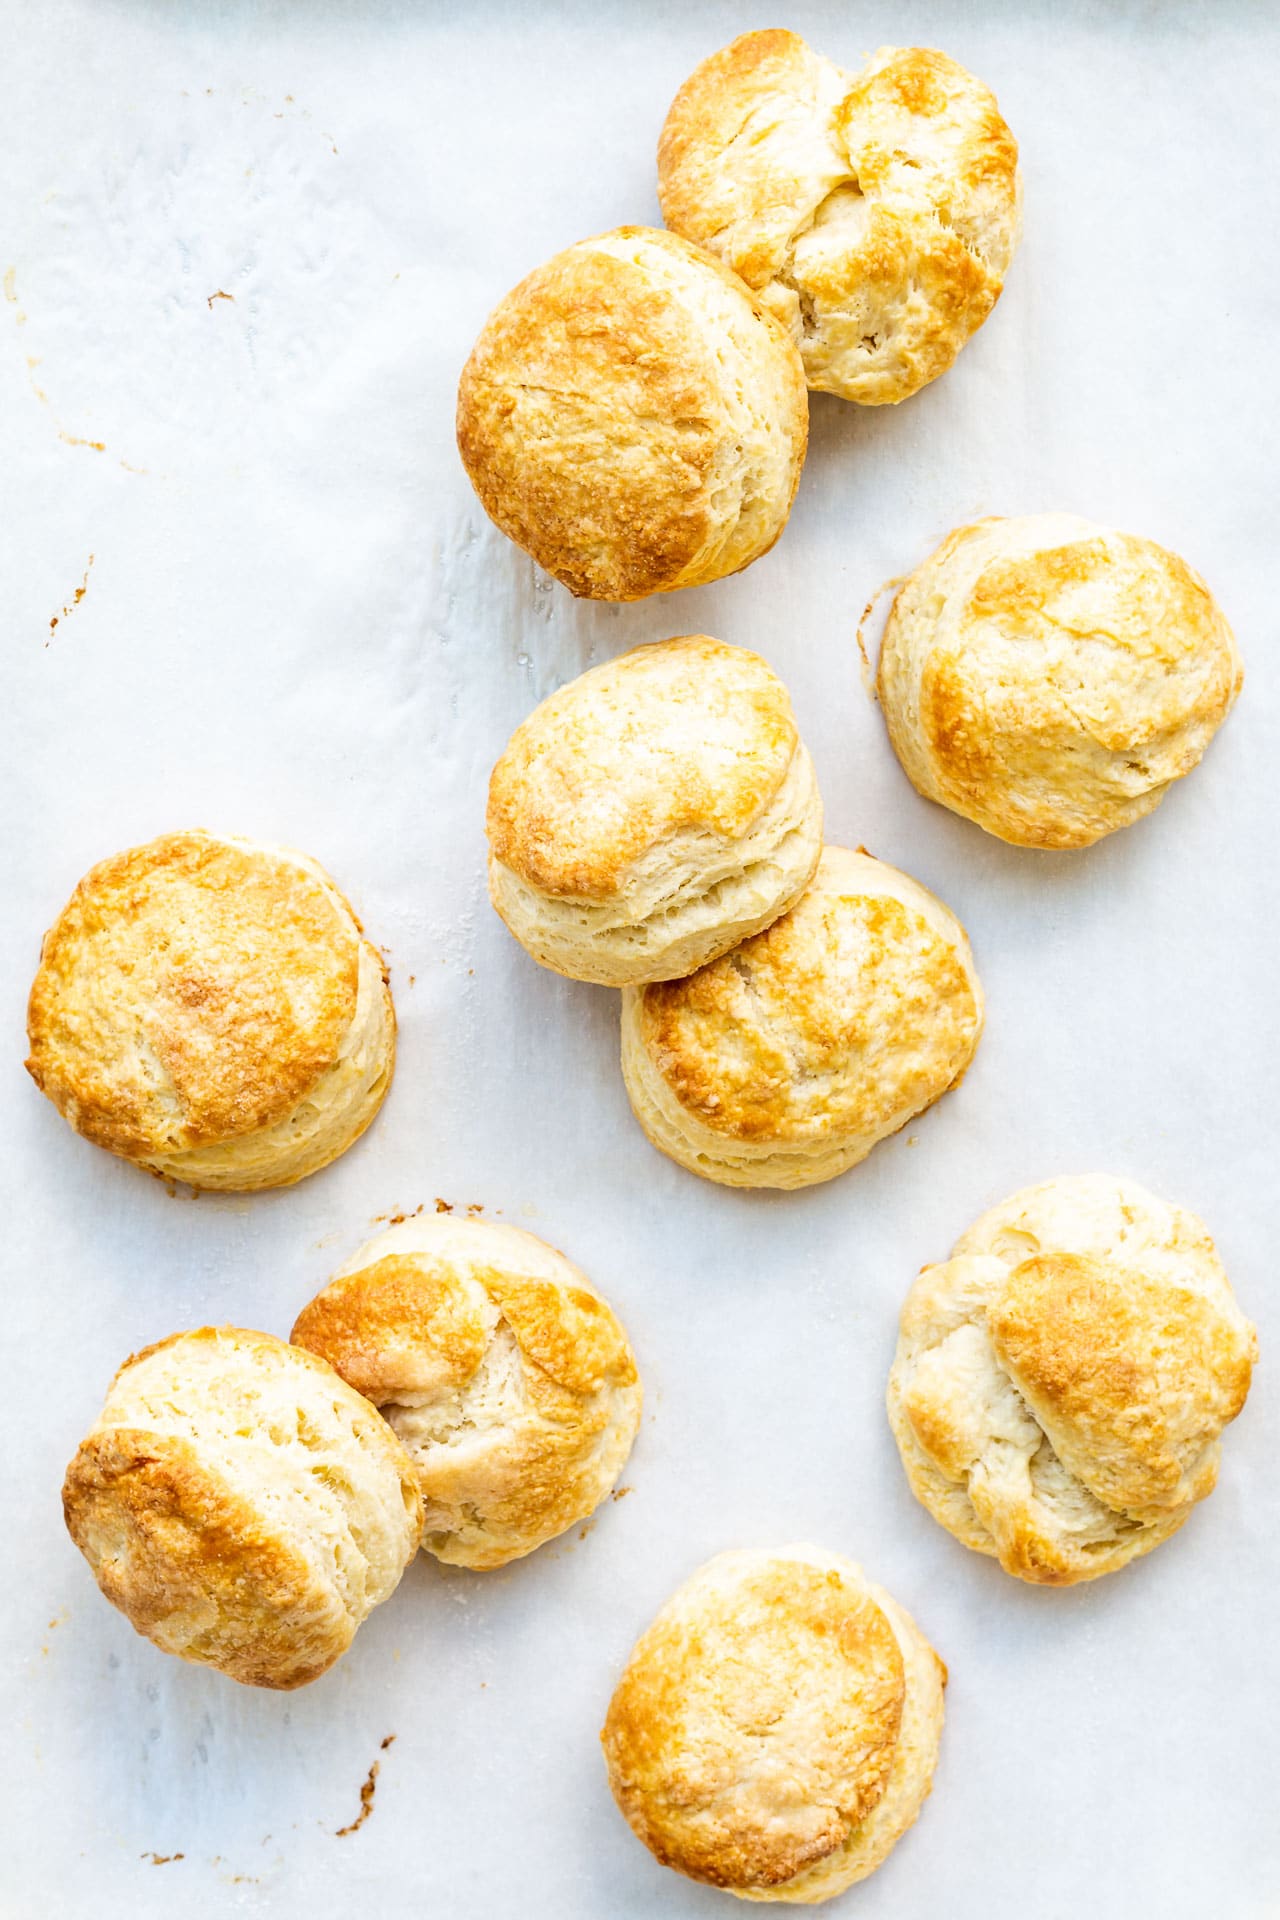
<point>206,1007</point>
<point>501,1369</point>
<point>241,1505</point>
<point>875,214</point>
<point>785,1061</point>
<point>1050,679</point>
<point>633,418</point>
<point>776,1729</point>
<point>1061,1381</point>
<point>652,814</point>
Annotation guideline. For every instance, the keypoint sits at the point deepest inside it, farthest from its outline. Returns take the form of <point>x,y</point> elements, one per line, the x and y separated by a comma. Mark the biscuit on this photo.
<point>875,214</point>
<point>241,1505</point>
<point>1061,1381</point>
<point>633,418</point>
<point>1049,679</point>
<point>652,814</point>
<point>503,1372</point>
<point>776,1730</point>
<point>206,1007</point>
<point>784,1062</point>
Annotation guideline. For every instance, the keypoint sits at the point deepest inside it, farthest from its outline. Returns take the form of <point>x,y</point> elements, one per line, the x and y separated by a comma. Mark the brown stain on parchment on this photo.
<point>367,1792</point>
<point>9,283</point>
<point>65,612</point>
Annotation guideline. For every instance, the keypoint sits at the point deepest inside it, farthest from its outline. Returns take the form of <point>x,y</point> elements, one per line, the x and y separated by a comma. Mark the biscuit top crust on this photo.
<point>1131,1378</point>
<point>241,1504</point>
<point>919,127</point>
<point>606,412</point>
<point>876,214</point>
<point>1049,677</point>
<point>750,149</point>
<point>686,737</point>
<point>755,1725</point>
<point>412,1324</point>
<point>858,1005</point>
<point>1068,1373</point>
<point>192,990</point>
<point>1117,1323</point>
<point>508,1379</point>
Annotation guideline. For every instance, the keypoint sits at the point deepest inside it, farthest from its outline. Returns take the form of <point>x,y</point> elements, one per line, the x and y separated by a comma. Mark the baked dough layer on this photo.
<point>241,1505</point>
<point>776,1728</point>
<point>785,1061</point>
<point>1050,679</point>
<point>633,418</point>
<point>507,1378</point>
<point>1062,1380</point>
<point>875,214</point>
<point>653,813</point>
<point>207,1007</point>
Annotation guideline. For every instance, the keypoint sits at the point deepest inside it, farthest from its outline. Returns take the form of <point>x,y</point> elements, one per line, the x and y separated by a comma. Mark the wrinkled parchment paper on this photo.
<point>244,252</point>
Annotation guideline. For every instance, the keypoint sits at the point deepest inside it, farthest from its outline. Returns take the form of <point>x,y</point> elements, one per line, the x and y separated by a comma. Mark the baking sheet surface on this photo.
<point>246,585</point>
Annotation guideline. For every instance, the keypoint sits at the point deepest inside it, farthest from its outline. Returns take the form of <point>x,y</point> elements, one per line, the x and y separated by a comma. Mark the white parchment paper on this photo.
<point>245,251</point>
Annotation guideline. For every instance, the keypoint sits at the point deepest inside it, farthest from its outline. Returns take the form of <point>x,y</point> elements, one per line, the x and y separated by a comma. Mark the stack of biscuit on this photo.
<point>656,826</point>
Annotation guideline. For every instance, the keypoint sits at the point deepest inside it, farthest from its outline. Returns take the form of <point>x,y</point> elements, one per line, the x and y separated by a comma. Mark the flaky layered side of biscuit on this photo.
<point>1049,679</point>
<point>784,1062</point>
<point>633,418</point>
<point>653,813</point>
<point>776,1729</point>
<point>242,1505</point>
<point>507,1378</point>
<point>207,1007</point>
<point>1061,1382</point>
<point>875,214</point>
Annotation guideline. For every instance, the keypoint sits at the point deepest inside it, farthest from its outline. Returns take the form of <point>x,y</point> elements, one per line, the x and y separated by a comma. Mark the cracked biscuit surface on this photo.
<point>241,1505</point>
<point>633,418</point>
<point>785,1061</point>
<point>500,1368</point>
<point>653,813</point>
<point>776,1729</point>
<point>1061,1382</point>
<point>1050,679</point>
<point>875,214</point>
<point>207,1007</point>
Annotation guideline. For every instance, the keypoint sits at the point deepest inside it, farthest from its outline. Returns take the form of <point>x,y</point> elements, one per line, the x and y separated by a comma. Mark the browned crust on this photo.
<point>408,1314</point>
<point>415,1331</point>
<point>716,112</point>
<point>924,83</point>
<point>568,1332</point>
<point>1096,1354</point>
<point>191,991</point>
<point>375,1327</point>
<point>591,418</point>
<point>193,1566</point>
<point>1145,1374</point>
<point>766,147</point>
<point>1060,693</point>
<point>753,1729</point>
<point>742,1041</point>
<point>607,767</point>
